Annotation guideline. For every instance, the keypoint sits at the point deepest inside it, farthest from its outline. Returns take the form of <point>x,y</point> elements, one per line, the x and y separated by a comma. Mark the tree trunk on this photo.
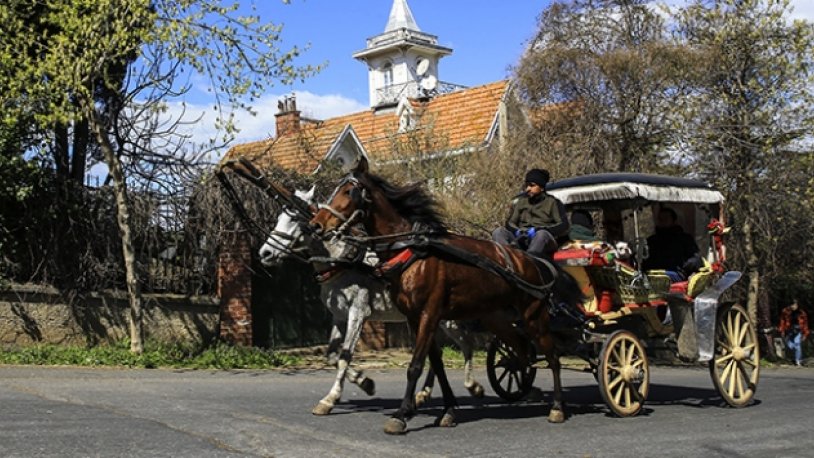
<point>79,158</point>
<point>764,326</point>
<point>123,216</point>
<point>752,272</point>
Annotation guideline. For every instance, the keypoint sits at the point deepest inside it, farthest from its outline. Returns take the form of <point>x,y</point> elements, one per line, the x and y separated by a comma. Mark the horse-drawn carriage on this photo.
<point>627,310</point>
<point>594,301</point>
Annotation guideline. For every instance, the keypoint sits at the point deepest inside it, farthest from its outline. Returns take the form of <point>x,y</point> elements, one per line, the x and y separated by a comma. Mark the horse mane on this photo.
<point>411,201</point>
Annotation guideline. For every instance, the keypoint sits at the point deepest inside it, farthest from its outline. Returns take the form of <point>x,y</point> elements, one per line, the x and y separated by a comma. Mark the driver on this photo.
<point>537,219</point>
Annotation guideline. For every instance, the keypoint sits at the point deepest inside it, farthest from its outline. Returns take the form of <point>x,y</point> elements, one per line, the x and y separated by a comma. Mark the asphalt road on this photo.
<point>77,412</point>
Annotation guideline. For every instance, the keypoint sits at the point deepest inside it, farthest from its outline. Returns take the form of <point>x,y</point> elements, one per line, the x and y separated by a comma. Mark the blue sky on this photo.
<point>487,37</point>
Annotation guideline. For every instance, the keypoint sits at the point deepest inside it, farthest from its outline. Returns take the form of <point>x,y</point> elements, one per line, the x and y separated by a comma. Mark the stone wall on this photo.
<point>37,314</point>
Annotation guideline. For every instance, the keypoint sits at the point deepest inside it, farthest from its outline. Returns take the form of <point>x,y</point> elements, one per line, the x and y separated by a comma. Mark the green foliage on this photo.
<point>176,355</point>
<point>614,79</point>
<point>63,52</point>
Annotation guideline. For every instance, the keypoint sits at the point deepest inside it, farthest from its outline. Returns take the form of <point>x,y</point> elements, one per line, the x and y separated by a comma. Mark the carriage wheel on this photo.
<point>735,366</point>
<point>510,379</point>
<point>624,375</point>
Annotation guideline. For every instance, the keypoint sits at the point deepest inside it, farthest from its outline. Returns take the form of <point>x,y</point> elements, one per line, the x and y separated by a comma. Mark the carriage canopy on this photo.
<point>632,189</point>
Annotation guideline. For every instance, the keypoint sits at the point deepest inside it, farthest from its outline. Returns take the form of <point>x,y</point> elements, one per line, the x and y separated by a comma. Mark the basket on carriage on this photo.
<point>628,308</point>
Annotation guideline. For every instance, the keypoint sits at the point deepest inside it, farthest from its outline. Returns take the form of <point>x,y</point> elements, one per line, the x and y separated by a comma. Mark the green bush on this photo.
<point>175,355</point>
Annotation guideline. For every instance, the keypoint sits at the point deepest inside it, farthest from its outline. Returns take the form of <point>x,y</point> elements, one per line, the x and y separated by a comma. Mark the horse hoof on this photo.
<point>395,426</point>
<point>446,421</point>
<point>322,408</point>
<point>368,386</point>
<point>556,416</point>
<point>421,398</point>
<point>476,390</point>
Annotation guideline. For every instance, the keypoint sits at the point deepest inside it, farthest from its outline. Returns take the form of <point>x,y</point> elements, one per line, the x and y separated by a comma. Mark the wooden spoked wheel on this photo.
<point>508,375</point>
<point>735,366</point>
<point>624,375</point>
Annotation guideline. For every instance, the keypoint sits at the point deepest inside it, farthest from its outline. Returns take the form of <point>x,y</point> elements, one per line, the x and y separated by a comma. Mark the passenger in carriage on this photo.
<point>537,221</point>
<point>671,249</point>
<point>582,226</point>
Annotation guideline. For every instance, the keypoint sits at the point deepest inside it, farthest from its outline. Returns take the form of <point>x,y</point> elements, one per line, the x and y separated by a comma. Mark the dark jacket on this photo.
<point>541,212</point>
<point>580,232</point>
<point>669,248</point>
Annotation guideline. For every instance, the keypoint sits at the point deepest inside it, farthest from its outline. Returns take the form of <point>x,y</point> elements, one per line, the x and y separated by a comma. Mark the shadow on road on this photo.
<point>580,400</point>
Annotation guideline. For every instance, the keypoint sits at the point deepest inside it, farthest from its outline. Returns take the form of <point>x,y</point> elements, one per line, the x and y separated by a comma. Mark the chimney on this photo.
<point>288,117</point>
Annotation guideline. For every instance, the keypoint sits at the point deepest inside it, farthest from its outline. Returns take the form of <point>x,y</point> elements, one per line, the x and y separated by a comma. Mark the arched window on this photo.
<point>387,72</point>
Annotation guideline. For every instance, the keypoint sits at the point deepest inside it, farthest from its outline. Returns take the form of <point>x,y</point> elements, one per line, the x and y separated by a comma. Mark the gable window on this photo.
<point>387,72</point>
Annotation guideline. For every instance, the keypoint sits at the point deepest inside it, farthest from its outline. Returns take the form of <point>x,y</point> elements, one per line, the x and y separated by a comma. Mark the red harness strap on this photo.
<point>326,275</point>
<point>397,263</point>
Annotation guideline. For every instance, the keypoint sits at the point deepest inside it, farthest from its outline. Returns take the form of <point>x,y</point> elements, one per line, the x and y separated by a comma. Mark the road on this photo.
<point>79,412</point>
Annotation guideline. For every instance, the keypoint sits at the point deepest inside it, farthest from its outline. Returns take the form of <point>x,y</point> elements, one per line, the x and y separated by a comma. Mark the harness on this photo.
<point>420,241</point>
<point>291,204</point>
<point>422,244</point>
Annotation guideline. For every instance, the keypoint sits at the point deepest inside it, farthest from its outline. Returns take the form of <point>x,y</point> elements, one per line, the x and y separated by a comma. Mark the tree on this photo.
<point>748,117</point>
<point>136,53</point>
<point>603,78</point>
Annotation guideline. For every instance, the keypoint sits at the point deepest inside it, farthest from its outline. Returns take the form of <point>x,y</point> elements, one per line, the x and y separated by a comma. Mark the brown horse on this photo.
<point>445,283</point>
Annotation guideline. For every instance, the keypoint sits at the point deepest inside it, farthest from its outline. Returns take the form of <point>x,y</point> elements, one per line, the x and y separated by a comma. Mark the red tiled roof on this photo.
<point>455,120</point>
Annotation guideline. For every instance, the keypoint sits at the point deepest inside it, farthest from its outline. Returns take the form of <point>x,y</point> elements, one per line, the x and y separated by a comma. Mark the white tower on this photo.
<point>402,61</point>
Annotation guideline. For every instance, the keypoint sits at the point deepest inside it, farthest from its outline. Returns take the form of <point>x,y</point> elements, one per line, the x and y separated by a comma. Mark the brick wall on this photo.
<point>235,288</point>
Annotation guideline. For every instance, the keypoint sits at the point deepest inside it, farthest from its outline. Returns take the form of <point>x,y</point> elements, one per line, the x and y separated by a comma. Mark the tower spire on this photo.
<point>401,17</point>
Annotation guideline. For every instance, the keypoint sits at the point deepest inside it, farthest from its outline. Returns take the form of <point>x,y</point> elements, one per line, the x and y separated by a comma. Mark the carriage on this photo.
<point>628,312</point>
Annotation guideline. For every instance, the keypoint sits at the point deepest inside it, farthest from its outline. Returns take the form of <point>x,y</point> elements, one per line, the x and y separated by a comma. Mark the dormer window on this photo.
<point>387,72</point>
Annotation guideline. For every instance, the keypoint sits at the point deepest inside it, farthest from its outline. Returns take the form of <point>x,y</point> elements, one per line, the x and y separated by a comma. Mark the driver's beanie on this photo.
<point>537,176</point>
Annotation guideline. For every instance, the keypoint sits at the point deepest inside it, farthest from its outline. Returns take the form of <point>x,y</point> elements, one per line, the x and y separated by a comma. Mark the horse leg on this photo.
<point>557,413</point>
<point>326,404</point>
<point>397,424</point>
<point>538,320</point>
<point>463,339</point>
<point>357,315</point>
<point>425,392</point>
<point>356,321</point>
<point>335,340</point>
<point>447,419</point>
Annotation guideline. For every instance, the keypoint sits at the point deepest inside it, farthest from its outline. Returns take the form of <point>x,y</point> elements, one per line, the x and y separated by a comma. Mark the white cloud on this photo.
<point>803,9</point>
<point>800,9</point>
<point>262,125</point>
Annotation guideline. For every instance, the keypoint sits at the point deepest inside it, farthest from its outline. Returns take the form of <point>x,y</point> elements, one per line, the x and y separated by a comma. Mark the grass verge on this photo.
<point>174,355</point>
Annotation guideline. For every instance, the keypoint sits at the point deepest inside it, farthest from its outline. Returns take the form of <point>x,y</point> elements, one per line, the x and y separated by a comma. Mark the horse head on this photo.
<point>382,207</point>
<point>288,236</point>
<point>347,204</point>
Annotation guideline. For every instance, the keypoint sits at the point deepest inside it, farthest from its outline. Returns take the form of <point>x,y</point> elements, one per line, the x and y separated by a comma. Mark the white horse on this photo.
<point>353,295</point>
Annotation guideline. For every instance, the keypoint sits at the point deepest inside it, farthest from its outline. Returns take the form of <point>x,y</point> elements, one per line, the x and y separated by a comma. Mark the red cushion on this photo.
<point>679,287</point>
<point>562,255</point>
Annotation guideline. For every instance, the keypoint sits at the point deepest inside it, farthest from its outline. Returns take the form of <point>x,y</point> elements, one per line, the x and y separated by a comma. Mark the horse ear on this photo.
<point>361,165</point>
<point>309,196</point>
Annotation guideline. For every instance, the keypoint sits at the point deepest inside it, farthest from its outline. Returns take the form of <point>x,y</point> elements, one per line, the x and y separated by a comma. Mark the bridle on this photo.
<point>289,244</point>
<point>362,200</point>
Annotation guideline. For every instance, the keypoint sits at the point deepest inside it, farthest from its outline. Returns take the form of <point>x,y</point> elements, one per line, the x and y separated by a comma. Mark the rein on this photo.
<point>423,240</point>
<point>299,207</point>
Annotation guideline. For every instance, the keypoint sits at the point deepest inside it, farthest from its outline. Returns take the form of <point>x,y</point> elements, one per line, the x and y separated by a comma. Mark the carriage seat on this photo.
<point>585,253</point>
<point>697,282</point>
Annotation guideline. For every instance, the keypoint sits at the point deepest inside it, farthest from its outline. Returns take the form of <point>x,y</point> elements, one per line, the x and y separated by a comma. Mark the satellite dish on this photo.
<point>429,83</point>
<point>422,67</point>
